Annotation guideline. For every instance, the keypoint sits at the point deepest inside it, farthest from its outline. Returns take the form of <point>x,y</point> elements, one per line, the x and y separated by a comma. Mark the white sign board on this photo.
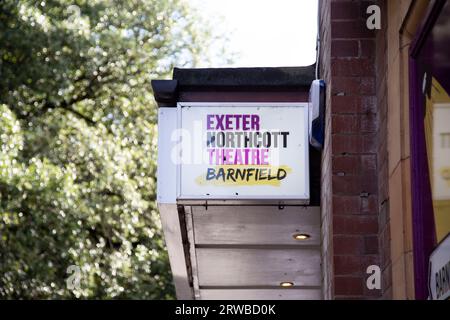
<point>439,279</point>
<point>441,151</point>
<point>243,151</point>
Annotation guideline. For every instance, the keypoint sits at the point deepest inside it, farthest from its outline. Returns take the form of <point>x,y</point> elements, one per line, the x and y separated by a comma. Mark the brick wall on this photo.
<point>354,157</point>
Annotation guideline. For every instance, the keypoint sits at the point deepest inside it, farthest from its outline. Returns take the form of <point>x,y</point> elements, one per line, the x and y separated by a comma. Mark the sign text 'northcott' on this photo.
<point>244,151</point>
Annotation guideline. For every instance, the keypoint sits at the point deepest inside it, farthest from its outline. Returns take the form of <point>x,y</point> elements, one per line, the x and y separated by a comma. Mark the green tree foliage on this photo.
<point>78,143</point>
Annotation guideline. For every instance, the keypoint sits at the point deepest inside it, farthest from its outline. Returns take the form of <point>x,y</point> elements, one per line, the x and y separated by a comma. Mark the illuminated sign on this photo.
<point>439,269</point>
<point>243,151</point>
<point>441,151</point>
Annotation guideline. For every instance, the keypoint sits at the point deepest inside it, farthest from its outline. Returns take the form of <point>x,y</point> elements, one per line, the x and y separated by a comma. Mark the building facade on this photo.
<point>377,222</point>
<point>385,192</point>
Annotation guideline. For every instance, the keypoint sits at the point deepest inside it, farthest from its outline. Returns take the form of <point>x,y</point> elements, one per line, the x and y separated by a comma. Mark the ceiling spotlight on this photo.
<point>286,284</point>
<point>301,236</point>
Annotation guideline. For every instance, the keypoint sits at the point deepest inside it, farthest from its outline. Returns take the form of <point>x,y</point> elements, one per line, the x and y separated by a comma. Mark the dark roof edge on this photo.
<point>165,92</point>
<point>246,77</point>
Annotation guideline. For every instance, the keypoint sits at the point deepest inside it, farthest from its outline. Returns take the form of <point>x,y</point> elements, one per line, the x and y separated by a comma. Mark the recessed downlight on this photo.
<point>286,284</point>
<point>301,236</point>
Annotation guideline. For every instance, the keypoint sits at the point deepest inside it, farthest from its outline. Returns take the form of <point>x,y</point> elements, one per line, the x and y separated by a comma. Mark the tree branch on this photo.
<point>79,114</point>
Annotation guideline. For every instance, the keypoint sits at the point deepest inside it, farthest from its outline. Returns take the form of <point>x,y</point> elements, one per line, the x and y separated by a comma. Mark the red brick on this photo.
<point>355,185</point>
<point>367,48</point>
<point>354,204</point>
<point>346,185</point>
<point>369,162</point>
<point>348,244</point>
<point>350,164</point>
<point>351,103</point>
<point>353,264</point>
<point>345,124</point>
<point>345,104</point>
<point>354,123</point>
<point>369,205</point>
<point>349,286</point>
<point>368,104</point>
<point>344,48</point>
<point>348,144</point>
<point>346,205</point>
<point>351,67</point>
<point>369,123</point>
<point>355,224</point>
<point>371,245</point>
<point>345,10</point>
<point>354,29</point>
<point>345,86</point>
<point>367,86</point>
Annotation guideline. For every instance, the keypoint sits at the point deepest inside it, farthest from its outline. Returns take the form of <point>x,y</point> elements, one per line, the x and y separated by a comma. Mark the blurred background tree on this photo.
<point>78,143</point>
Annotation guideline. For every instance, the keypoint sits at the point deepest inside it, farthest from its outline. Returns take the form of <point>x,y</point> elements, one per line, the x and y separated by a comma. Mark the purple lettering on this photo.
<point>209,121</point>
<point>219,119</point>
<point>255,122</point>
